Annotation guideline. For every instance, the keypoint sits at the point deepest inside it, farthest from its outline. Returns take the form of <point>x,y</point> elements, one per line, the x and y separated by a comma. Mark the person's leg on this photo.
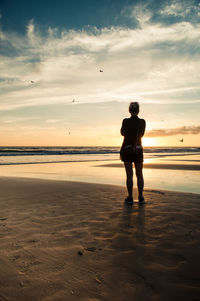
<point>129,177</point>
<point>140,179</point>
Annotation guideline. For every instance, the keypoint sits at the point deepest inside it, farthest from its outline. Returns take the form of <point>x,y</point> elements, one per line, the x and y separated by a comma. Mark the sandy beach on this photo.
<point>77,241</point>
<point>83,86</point>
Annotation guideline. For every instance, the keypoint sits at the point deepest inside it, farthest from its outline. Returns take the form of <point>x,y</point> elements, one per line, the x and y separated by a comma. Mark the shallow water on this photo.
<point>176,180</point>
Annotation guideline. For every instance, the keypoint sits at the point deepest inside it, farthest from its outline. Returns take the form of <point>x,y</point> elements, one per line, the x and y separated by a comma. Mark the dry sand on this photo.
<point>77,241</point>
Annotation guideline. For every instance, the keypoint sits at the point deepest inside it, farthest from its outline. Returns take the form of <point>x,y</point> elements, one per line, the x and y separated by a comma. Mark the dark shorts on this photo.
<point>137,158</point>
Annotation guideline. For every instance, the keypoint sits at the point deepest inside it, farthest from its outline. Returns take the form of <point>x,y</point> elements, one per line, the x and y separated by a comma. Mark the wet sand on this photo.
<point>78,241</point>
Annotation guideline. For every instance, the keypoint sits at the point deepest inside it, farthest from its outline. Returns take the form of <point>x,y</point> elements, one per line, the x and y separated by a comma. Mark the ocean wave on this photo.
<point>43,151</point>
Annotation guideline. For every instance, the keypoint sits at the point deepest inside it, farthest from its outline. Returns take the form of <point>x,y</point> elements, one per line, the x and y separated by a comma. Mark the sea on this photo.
<point>90,164</point>
<point>52,154</point>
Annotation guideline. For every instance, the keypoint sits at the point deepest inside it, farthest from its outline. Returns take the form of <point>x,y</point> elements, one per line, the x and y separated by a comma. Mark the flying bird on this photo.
<point>100,70</point>
<point>181,140</point>
<point>32,82</point>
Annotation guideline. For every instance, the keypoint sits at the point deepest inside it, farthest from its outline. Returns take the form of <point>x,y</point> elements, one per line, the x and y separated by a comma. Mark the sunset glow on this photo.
<point>148,142</point>
<point>51,84</point>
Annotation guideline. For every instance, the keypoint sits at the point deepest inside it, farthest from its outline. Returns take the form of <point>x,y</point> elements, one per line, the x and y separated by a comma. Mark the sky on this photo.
<point>53,93</point>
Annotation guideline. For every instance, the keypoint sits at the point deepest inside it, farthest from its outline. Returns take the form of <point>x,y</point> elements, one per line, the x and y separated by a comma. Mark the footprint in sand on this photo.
<point>90,249</point>
<point>2,298</point>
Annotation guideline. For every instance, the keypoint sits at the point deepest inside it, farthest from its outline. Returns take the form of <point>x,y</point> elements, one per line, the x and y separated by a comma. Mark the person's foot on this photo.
<point>141,200</point>
<point>128,200</point>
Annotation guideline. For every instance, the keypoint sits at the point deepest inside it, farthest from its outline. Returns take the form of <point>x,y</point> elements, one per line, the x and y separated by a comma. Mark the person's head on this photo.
<point>134,108</point>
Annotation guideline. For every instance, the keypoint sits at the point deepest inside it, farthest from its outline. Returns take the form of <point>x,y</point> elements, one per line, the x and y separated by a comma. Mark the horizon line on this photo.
<point>91,146</point>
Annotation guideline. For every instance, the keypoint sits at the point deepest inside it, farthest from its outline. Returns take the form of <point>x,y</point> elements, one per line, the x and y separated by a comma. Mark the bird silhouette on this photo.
<point>100,70</point>
<point>181,140</point>
<point>32,82</point>
<point>73,100</point>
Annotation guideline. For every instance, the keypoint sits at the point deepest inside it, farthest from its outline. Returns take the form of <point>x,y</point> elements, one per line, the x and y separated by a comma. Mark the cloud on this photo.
<point>162,12</point>
<point>181,8</point>
<point>190,130</point>
<point>139,13</point>
<point>152,62</point>
<point>52,120</point>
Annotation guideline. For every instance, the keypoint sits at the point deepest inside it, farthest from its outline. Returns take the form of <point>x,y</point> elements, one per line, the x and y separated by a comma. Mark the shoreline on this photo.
<point>158,166</point>
<point>63,240</point>
<point>18,179</point>
<point>194,167</point>
<point>158,178</point>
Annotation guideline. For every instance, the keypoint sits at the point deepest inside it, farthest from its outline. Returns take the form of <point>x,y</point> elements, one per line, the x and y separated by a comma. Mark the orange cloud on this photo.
<point>184,130</point>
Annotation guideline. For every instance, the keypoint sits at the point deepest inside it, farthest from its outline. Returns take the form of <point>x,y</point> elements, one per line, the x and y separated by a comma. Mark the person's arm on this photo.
<point>123,128</point>
<point>142,128</point>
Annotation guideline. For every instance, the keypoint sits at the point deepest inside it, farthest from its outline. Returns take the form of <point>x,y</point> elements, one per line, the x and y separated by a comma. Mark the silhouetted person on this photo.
<point>133,129</point>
